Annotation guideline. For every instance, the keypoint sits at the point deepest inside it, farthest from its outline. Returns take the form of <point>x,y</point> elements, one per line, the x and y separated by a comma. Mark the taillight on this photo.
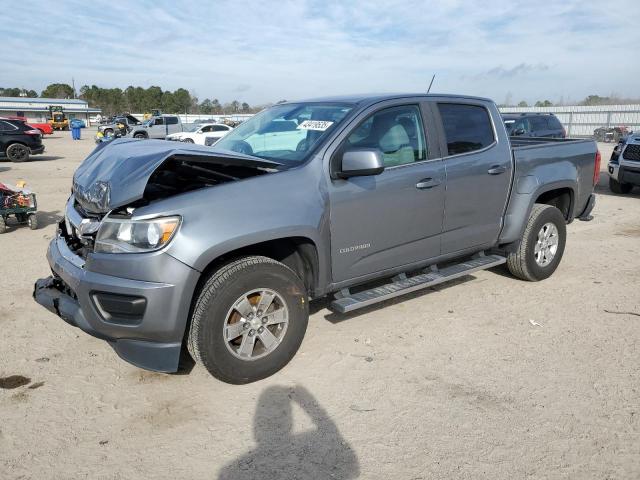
<point>32,132</point>
<point>596,168</point>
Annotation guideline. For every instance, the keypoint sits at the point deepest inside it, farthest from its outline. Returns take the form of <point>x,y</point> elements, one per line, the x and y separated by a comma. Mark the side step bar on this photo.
<point>345,301</point>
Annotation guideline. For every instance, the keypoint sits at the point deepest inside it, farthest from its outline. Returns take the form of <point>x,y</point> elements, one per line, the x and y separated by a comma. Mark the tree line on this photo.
<point>137,99</point>
<point>590,100</point>
<point>142,100</point>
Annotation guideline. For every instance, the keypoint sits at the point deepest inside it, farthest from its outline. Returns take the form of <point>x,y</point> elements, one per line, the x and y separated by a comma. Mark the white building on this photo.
<point>37,109</point>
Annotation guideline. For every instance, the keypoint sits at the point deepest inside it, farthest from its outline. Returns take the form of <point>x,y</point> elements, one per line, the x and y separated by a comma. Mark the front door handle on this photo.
<point>497,170</point>
<point>427,183</point>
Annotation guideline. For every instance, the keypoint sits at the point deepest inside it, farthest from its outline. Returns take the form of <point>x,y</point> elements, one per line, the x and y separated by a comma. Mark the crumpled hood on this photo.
<point>116,173</point>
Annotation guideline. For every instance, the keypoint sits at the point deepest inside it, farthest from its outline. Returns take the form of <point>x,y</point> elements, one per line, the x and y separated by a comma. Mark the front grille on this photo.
<point>632,152</point>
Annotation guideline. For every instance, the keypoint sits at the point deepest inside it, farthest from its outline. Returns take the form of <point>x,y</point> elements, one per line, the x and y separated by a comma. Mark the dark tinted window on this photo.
<point>172,120</point>
<point>159,121</point>
<point>219,128</point>
<point>396,131</point>
<point>467,127</point>
<point>554,123</point>
<point>6,127</point>
<point>538,123</point>
<point>206,129</point>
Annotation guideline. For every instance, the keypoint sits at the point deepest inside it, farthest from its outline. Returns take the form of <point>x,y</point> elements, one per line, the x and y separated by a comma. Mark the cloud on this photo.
<point>521,69</point>
<point>264,51</point>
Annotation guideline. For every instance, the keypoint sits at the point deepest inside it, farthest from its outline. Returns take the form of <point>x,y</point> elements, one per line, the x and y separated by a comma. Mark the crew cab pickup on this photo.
<point>167,248</point>
<point>157,127</point>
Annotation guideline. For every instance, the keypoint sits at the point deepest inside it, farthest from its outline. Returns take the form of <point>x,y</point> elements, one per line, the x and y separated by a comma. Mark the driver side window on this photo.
<point>397,132</point>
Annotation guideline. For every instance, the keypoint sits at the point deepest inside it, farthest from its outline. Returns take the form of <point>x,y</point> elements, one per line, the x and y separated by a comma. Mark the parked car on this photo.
<point>610,134</point>
<point>544,125</point>
<point>219,250</point>
<point>157,127</point>
<point>45,128</point>
<point>123,123</point>
<point>200,132</point>
<point>624,165</point>
<point>19,140</point>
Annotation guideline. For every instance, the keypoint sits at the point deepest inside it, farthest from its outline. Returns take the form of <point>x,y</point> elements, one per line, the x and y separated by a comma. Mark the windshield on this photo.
<point>285,133</point>
<point>149,122</point>
<point>192,128</point>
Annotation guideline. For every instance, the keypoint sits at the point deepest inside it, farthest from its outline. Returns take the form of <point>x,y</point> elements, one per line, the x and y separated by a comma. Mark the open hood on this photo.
<point>116,173</point>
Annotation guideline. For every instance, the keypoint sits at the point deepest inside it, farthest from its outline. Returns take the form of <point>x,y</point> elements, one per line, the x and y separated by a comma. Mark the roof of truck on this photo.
<point>369,98</point>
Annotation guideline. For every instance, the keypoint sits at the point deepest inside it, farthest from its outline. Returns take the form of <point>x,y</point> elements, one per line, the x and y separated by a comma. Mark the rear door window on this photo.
<point>172,120</point>
<point>467,128</point>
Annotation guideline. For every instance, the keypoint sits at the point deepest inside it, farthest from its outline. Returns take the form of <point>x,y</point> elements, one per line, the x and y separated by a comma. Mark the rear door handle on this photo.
<point>427,183</point>
<point>496,170</point>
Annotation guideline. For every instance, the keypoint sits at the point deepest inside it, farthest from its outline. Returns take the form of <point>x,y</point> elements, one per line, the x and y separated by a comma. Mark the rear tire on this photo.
<point>32,220</point>
<point>140,136</point>
<point>541,246</point>
<point>618,187</point>
<point>16,152</point>
<point>211,340</point>
<point>3,225</point>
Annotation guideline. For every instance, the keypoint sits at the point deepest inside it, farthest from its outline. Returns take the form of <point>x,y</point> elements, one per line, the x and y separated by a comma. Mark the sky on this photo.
<point>260,52</point>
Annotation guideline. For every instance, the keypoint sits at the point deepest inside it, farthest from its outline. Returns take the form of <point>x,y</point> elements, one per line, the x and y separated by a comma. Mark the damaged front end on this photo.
<point>110,275</point>
<point>124,171</point>
<point>127,174</point>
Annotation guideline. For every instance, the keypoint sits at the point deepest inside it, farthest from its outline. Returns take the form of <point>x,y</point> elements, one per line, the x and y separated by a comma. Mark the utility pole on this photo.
<point>73,85</point>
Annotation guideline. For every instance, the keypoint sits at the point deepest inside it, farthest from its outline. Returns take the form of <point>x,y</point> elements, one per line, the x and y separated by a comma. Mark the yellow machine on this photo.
<point>57,118</point>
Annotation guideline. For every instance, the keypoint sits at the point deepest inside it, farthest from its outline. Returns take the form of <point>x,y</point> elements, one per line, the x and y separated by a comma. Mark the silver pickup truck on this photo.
<point>167,248</point>
<point>157,127</point>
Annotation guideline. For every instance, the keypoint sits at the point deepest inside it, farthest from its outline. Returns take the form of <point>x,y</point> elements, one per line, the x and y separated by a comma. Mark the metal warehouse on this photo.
<point>37,109</point>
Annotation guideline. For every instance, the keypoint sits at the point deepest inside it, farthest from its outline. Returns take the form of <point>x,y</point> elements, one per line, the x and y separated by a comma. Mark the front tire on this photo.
<point>188,140</point>
<point>541,246</point>
<point>140,136</point>
<point>16,152</point>
<point>618,187</point>
<point>249,320</point>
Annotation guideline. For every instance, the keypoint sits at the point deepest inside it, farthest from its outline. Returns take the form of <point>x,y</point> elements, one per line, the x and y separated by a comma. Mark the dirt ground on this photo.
<point>489,377</point>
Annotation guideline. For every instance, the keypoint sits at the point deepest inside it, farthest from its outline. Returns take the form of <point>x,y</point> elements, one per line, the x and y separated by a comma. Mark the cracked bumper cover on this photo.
<point>154,340</point>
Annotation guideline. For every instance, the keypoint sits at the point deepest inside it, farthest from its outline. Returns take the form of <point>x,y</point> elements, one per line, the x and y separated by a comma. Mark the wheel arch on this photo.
<point>560,194</point>
<point>297,252</point>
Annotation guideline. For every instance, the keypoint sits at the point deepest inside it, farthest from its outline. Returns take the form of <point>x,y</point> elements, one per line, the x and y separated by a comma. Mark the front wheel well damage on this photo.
<point>300,254</point>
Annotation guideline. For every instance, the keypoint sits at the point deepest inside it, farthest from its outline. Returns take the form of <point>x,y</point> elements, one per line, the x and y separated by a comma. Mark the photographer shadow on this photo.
<point>281,454</point>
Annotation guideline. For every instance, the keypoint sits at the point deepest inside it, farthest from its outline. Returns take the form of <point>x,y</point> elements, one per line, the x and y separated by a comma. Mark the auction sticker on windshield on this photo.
<point>319,125</point>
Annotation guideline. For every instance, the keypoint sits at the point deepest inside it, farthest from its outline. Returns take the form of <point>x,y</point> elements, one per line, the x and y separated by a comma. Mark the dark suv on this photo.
<point>18,140</point>
<point>533,125</point>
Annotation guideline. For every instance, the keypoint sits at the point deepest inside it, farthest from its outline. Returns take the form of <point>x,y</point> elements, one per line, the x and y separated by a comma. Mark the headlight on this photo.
<point>135,236</point>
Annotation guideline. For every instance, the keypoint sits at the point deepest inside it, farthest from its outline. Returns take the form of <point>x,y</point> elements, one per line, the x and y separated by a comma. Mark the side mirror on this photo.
<point>519,131</point>
<point>361,162</point>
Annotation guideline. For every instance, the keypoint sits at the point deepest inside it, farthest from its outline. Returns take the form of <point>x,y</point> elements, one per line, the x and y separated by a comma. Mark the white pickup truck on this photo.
<point>157,127</point>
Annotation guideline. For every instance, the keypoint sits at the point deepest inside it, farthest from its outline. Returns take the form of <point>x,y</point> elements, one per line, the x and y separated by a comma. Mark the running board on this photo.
<point>345,301</point>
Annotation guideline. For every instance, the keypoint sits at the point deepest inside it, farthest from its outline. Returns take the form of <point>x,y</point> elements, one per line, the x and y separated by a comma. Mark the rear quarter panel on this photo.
<point>544,167</point>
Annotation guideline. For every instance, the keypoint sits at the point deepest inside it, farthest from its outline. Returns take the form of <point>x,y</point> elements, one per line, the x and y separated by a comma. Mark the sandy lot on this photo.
<point>455,382</point>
